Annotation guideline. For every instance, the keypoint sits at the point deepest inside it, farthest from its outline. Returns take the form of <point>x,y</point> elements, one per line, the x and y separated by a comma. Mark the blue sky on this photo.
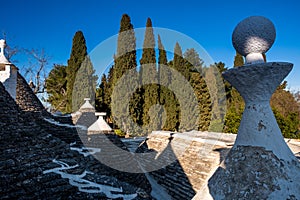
<point>52,24</point>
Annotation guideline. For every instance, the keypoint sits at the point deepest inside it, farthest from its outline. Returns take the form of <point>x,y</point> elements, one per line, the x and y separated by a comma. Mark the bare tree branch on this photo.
<point>41,61</point>
<point>10,51</point>
<point>36,67</point>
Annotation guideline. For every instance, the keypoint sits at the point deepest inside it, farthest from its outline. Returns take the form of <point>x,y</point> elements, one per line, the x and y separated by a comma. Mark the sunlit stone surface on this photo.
<point>260,165</point>
<point>252,37</point>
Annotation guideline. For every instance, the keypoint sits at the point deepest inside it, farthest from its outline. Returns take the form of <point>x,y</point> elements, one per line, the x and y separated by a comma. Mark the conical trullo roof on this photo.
<point>100,125</point>
<point>8,110</point>
<point>87,106</point>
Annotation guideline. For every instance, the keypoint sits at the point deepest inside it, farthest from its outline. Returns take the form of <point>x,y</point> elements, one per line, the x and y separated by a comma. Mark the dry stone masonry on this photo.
<point>44,156</point>
<point>37,165</point>
<point>197,157</point>
<point>26,99</point>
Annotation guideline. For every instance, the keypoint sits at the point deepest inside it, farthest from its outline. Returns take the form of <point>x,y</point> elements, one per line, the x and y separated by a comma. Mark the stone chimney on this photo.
<point>8,72</point>
<point>100,126</point>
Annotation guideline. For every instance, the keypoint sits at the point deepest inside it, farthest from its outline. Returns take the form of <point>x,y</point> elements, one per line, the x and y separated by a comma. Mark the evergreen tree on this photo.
<point>179,62</point>
<point>108,93</point>
<point>148,56</point>
<point>125,59</point>
<point>193,61</point>
<point>125,62</point>
<point>204,101</point>
<point>84,84</point>
<point>162,59</point>
<point>56,87</point>
<point>188,110</point>
<point>162,64</point>
<point>149,77</point>
<point>201,91</point>
<point>101,92</point>
<point>235,103</point>
<point>78,53</point>
<point>238,60</point>
<point>166,97</point>
<point>217,89</point>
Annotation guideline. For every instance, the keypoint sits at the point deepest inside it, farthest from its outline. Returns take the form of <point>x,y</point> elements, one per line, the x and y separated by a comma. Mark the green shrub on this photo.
<point>288,125</point>
<point>119,133</point>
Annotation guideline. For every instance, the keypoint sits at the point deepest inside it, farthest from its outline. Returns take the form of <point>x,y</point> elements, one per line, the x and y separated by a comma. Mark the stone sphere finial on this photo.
<point>252,37</point>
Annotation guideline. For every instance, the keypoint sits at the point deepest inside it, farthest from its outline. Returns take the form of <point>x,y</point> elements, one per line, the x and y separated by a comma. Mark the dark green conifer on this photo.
<point>238,60</point>
<point>56,87</point>
<point>201,91</point>
<point>235,103</point>
<point>84,84</point>
<point>125,59</point>
<point>149,80</point>
<point>179,62</point>
<point>78,54</point>
<point>101,92</point>
<point>166,97</point>
<point>123,83</point>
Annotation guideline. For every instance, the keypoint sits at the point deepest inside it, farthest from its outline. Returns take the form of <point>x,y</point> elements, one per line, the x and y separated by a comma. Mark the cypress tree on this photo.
<point>201,91</point>
<point>101,92</point>
<point>78,53</point>
<point>216,83</point>
<point>148,60</point>
<point>125,59</point>
<point>204,101</point>
<point>238,60</point>
<point>148,75</point>
<point>187,111</point>
<point>179,62</point>
<point>108,92</point>
<point>162,59</point>
<point>125,62</point>
<point>193,61</point>
<point>166,97</point>
<point>84,84</point>
<point>148,56</point>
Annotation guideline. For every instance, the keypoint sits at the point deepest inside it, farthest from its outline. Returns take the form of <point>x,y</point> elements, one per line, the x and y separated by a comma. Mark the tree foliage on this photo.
<point>154,83</point>
<point>286,110</point>
<point>125,59</point>
<point>67,86</point>
<point>125,64</point>
<point>238,60</point>
<point>149,80</point>
<point>235,102</point>
<point>84,84</point>
<point>166,96</point>
<point>194,64</point>
<point>78,54</point>
<point>283,103</point>
<point>179,62</point>
<point>56,86</point>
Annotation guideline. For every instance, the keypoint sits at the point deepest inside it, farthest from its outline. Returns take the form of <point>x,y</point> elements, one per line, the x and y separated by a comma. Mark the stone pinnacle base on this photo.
<point>251,172</point>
